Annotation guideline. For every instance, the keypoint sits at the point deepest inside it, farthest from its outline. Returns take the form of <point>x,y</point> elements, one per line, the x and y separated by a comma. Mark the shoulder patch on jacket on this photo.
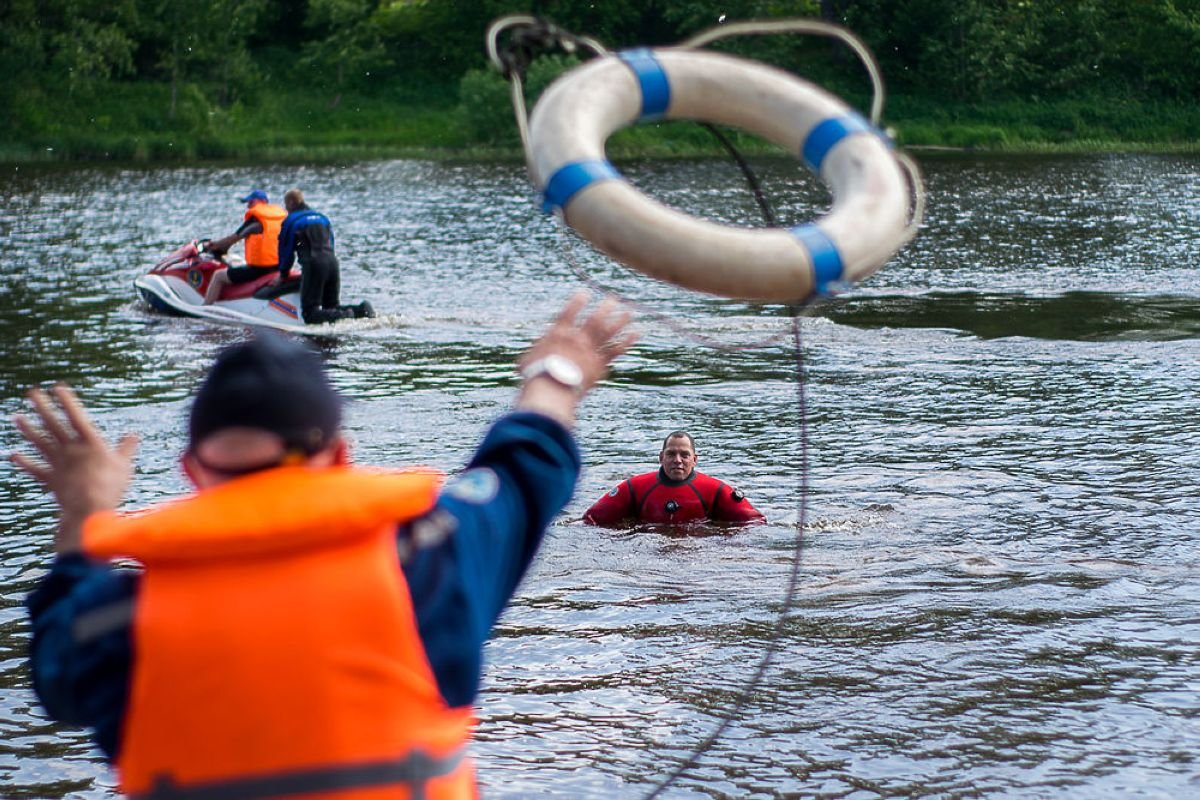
<point>476,486</point>
<point>428,531</point>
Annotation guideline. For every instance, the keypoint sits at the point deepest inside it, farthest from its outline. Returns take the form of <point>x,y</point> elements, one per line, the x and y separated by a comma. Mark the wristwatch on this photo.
<point>559,369</point>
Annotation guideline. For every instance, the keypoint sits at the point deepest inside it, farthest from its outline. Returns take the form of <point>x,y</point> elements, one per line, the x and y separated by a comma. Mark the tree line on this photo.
<point>216,54</point>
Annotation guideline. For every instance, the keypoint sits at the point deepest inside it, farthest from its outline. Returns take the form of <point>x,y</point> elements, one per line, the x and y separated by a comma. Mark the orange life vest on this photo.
<point>276,651</point>
<point>262,249</point>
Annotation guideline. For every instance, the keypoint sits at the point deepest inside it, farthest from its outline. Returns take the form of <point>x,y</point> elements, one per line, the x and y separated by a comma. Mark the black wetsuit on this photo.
<point>307,235</point>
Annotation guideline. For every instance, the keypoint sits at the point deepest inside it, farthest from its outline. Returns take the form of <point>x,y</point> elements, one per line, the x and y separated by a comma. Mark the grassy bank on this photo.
<point>1066,125</point>
<point>132,123</point>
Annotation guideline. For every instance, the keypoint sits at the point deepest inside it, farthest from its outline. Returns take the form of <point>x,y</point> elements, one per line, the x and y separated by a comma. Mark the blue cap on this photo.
<point>257,194</point>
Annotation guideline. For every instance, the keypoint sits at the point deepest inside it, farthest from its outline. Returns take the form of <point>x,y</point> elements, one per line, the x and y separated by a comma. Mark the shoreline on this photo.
<point>319,155</point>
<point>397,130</point>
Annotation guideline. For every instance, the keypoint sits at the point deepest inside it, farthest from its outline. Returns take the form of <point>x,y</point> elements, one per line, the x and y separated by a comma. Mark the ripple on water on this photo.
<point>997,574</point>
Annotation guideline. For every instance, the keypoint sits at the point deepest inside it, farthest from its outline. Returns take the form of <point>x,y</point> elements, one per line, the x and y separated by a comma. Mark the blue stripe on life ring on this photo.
<point>826,260</point>
<point>825,136</point>
<point>656,87</point>
<point>570,178</point>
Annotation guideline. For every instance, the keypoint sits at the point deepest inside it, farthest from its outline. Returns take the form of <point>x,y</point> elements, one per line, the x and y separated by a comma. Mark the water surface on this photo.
<point>998,583</point>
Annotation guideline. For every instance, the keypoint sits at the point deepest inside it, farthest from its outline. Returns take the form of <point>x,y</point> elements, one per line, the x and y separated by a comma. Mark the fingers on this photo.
<point>591,342</point>
<point>128,446</point>
<point>605,323</point>
<point>32,434</point>
<point>36,470</point>
<point>619,346</point>
<point>48,415</point>
<point>610,326</point>
<point>75,412</point>
<point>52,435</point>
<point>572,308</point>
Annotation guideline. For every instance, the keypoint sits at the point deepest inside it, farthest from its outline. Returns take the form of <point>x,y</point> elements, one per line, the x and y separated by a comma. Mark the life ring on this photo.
<point>867,222</point>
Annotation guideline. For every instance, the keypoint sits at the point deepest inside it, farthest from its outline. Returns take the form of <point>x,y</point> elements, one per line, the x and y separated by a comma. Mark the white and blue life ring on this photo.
<point>867,222</point>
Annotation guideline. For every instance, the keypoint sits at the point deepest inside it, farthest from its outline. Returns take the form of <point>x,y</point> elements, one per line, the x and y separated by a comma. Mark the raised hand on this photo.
<point>77,465</point>
<point>591,345</point>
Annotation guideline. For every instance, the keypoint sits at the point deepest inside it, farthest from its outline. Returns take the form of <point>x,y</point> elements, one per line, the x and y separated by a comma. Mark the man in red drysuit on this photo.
<point>675,493</point>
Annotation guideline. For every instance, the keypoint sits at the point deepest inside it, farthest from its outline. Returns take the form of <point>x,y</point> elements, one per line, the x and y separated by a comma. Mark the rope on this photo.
<point>742,698</point>
<point>528,37</point>
<point>812,26</point>
<point>528,34</point>
<point>789,597</point>
<point>751,178</point>
<point>665,319</point>
<point>819,28</point>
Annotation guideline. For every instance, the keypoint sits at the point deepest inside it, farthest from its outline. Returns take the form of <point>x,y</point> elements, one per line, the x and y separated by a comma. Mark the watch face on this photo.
<point>558,368</point>
<point>564,370</point>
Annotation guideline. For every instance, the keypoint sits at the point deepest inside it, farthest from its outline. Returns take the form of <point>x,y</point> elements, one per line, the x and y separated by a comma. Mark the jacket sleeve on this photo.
<point>287,246</point>
<point>614,508</point>
<point>81,651</point>
<point>464,559</point>
<point>733,506</point>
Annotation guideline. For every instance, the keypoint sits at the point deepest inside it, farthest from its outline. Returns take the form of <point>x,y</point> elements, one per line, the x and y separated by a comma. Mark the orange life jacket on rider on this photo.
<point>276,650</point>
<point>262,249</point>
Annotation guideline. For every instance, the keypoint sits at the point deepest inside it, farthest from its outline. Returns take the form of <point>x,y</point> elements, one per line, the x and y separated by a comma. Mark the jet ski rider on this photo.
<point>260,229</point>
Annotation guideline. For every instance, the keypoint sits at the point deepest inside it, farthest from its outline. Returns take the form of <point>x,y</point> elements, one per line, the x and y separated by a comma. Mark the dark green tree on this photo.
<point>206,41</point>
<point>75,44</point>
<point>347,40</point>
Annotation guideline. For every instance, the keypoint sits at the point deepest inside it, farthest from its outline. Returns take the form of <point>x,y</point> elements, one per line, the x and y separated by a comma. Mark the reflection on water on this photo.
<point>1076,315</point>
<point>998,573</point>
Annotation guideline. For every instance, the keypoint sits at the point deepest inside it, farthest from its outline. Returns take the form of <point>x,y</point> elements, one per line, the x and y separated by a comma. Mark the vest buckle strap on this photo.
<point>413,770</point>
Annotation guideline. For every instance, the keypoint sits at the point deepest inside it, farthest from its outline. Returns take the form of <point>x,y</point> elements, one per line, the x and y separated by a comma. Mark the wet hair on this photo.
<point>679,435</point>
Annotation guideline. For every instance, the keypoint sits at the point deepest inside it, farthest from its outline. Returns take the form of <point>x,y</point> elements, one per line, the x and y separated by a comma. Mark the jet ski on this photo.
<point>176,285</point>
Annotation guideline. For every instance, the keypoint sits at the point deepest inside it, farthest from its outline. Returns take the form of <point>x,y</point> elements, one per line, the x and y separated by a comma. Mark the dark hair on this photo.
<point>679,435</point>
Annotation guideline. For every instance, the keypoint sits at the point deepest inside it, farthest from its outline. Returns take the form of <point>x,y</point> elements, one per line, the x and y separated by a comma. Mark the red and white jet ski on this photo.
<point>176,285</point>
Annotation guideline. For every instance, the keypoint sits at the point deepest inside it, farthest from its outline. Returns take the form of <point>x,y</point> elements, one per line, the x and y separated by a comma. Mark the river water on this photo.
<point>997,588</point>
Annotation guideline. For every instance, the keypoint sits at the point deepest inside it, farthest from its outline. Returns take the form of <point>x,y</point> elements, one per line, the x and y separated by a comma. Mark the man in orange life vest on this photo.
<point>676,493</point>
<point>299,626</point>
<point>260,229</point>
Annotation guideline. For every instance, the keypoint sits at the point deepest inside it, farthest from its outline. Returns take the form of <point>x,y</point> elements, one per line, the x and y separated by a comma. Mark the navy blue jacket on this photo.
<point>306,233</point>
<point>477,543</point>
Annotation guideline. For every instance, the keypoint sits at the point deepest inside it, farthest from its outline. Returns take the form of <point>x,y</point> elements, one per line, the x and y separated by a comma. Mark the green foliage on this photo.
<point>1155,45</point>
<point>544,71</point>
<point>486,108</point>
<point>442,38</point>
<point>202,42</point>
<point>485,99</point>
<point>352,46</point>
<point>227,59</point>
<point>79,44</point>
<point>203,78</point>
